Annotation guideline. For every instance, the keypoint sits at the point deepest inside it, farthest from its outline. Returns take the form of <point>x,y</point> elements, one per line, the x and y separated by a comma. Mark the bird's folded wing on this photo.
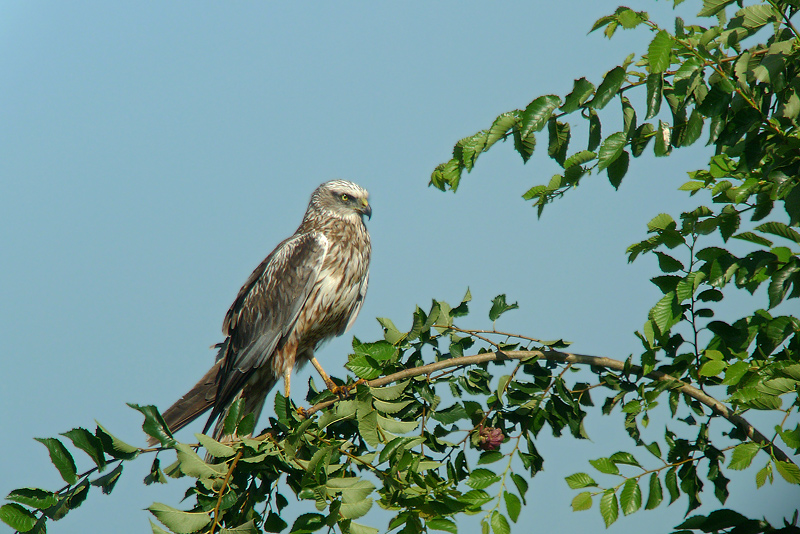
<point>267,308</point>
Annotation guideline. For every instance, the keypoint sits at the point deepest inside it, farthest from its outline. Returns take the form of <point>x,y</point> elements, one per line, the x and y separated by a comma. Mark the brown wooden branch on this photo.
<point>595,361</point>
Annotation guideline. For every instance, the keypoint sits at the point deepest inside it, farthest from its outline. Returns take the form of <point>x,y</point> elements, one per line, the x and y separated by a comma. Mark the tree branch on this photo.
<point>595,361</point>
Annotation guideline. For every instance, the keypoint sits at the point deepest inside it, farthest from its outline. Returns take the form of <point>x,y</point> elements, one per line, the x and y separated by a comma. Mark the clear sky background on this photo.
<point>152,153</point>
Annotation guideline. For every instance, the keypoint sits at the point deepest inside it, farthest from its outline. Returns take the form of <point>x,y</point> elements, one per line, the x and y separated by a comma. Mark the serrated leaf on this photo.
<point>500,523</point>
<point>630,497</point>
<point>61,458</point>
<point>154,425</point>
<point>743,455</point>
<point>655,496</point>
<point>537,113</point>
<point>356,509</point>
<point>214,447</point>
<point>580,480</point>
<point>250,527</point>
<point>788,471</point>
<point>611,149</point>
<point>712,7</point>
<point>179,521</point>
<point>33,497</point>
<point>390,393</point>
<point>612,81</point>
<point>655,93</point>
<point>441,523</point>
<point>582,89</point>
<point>605,465</point>
<point>396,427</point>
<point>659,52</point>
<point>88,443</point>
<point>513,505</point>
<point>712,368</point>
<point>499,307</point>
<point>107,482</point>
<point>779,229</point>
<point>582,501</point>
<point>17,517</point>
<point>609,507</point>
<point>481,479</point>
<point>501,127</point>
<point>364,367</point>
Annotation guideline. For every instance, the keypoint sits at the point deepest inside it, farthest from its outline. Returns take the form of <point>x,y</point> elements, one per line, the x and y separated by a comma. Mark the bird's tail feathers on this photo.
<point>194,404</point>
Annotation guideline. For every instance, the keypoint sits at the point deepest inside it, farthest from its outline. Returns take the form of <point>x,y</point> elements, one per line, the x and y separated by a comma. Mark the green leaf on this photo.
<point>580,480</point>
<point>501,127</point>
<point>250,526</point>
<point>594,130</point>
<point>779,229</point>
<point>655,93</point>
<point>582,501</point>
<point>756,16</point>
<point>513,505</point>
<point>500,523</point>
<point>671,481</point>
<point>659,53</point>
<point>609,508</point>
<point>743,455</point>
<point>179,521</point>
<point>490,457</point>
<point>582,89</point>
<point>364,367</point>
<point>655,496</point>
<point>214,447</point>
<point>154,425</point>
<point>611,149</point>
<point>605,465</point>
<point>355,509</point>
<point>712,368</point>
<point>396,427</point>
<point>33,497</point>
<point>107,482</point>
<point>440,523</point>
<point>61,458</point>
<point>308,523</point>
<point>481,479</point>
<point>536,115</point>
<point>624,458</point>
<point>17,517</point>
<point>88,443</point>
<point>663,138</point>
<point>579,158</point>
<point>789,471</point>
<point>667,263</point>
<point>753,238</point>
<point>612,81</point>
<point>630,497</point>
<point>115,447</point>
<point>712,7</point>
<point>356,528</point>
<point>192,465</point>
<point>499,307</point>
<point>390,393</point>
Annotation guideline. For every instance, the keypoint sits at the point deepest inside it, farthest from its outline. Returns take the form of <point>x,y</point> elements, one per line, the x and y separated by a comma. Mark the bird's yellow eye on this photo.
<point>345,197</point>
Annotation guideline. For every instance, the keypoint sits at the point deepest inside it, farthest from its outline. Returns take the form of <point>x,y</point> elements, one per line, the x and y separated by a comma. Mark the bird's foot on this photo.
<point>302,412</point>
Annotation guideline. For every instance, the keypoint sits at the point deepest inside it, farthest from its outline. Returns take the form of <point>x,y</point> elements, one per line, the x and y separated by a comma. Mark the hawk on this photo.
<point>307,291</point>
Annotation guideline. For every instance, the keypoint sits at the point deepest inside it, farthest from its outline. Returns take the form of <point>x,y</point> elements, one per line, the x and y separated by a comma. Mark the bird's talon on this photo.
<point>302,412</point>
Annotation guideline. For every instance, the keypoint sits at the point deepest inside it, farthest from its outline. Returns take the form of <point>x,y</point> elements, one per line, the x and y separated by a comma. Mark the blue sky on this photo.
<point>151,154</point>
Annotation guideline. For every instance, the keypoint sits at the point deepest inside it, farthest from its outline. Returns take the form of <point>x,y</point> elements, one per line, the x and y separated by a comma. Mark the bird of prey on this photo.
<point>308,290</point>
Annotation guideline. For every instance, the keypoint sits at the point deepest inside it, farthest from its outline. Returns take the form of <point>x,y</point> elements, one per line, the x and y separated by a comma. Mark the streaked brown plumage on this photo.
<point>308,290</point>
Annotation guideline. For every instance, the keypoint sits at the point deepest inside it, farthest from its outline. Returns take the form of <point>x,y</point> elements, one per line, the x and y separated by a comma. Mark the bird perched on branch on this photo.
<point>308,290</point>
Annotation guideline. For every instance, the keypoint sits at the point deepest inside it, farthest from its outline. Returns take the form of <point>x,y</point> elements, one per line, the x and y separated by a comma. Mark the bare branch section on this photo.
<point>595,361</point>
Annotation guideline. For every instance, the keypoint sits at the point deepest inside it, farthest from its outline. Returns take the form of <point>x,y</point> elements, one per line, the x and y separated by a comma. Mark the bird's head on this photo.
<point>342,199</point>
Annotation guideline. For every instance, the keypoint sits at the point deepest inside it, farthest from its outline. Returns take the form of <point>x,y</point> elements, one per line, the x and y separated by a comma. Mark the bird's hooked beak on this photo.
<point>366,209</point>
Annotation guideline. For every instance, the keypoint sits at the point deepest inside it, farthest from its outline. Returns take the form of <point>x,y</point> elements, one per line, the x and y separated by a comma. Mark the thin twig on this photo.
<point>595,361</point>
